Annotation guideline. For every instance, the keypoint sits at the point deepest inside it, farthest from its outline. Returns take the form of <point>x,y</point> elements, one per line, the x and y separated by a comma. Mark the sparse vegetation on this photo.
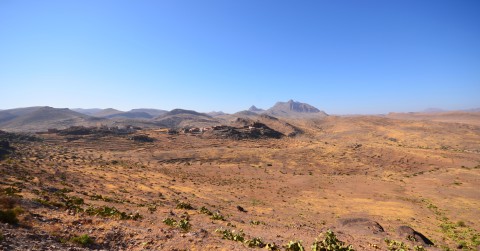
<point>418,248</point>
<point>170,222</point>
<point>67,188</point>
<point>184,205</point>
<point>183,224</point>
<point>272,247</point>
<point>112,212</point>
<point>255,242</point>
<point>330,243</point>
<point>232,235</point>
<point>217,216</point>
<point>83,240</point>
<point>394,245</point>
<point>204,210</point>
<point>12,191</point>
<point>462,235</point>
<point>294,246</point>
<point>73,203</point>
<point>48,203</point>
<point>256,222</point>
<point>105,198</point>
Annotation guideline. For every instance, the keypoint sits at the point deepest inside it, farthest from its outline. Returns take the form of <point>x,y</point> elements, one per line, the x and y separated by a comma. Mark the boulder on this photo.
<point>362,224</point>
<point>412,235</point>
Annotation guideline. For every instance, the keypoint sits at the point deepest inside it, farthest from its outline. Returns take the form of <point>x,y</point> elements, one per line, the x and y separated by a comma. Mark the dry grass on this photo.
<point>297,187</point>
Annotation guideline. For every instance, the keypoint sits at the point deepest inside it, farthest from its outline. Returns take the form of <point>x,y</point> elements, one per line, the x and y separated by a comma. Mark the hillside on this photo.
<point>179,118</point>
<point>241,119</point>
<point>255,109</point>
<point>153,112</point>
<point>130,115</point>
<point>293,109</point>
<point>378,183</point>
<point>88,111</point>
<point>106,112</point>
<point>43,118</point>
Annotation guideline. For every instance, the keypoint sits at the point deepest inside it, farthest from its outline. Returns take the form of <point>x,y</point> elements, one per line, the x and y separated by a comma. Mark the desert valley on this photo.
<point>285,178</point>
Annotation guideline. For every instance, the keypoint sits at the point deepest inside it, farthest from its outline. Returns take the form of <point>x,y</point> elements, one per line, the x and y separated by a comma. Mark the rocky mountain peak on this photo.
<point>255,109</point>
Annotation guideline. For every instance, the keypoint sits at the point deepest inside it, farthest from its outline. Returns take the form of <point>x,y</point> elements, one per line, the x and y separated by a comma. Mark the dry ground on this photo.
<point>421,174</point>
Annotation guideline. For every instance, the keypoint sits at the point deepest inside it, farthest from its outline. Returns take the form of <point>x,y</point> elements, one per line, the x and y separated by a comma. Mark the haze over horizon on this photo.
<point>343,57</point>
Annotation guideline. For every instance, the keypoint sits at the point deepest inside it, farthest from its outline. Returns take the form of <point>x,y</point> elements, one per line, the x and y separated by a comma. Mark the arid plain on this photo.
<point>369,179</point>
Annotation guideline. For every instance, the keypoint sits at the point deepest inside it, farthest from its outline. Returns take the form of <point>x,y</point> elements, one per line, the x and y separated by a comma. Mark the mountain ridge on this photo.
<point>293,108</point>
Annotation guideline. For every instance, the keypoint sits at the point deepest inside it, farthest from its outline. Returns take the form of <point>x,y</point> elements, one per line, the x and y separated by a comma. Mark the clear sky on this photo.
<point>340,56</point>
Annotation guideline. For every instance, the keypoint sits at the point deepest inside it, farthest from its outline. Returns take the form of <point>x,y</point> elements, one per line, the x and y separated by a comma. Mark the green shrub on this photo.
<point>394,245</point>
<point>228,234</point>
<point>217,216</point>
<point>73,203</point>
<point>83,240</point>
<point>111,212</point>
<point>204,210</point>
<point>11,191</point>
<point>170,222</point>
<point>184,225</point>
<point>294,246</point>
<point>255,242</point>
<point>255,222</point>
<point>272,247</point>
<point>419,248</point>
<point>186,206</point>
<point>330,243</point>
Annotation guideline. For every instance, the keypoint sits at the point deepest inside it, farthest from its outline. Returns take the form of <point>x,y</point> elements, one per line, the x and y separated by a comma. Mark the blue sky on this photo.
<point>340,56</point>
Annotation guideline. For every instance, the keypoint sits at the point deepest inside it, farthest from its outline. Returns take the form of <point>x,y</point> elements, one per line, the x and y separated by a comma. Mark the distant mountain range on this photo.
<point>41,118</point>
<point>113,113</point>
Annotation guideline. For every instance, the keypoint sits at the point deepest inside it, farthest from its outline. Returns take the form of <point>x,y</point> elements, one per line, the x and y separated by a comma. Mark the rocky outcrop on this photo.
<point>362,224</point>
<point>412,235</point>
<point>255,130</point>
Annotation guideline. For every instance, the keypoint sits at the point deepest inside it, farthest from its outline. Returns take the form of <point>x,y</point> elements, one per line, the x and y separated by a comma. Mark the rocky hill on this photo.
<point>130,115</point>
<point>294,109</point>
<point>106,112</point>
<point>153,112</point>
<point>88,111</point>
<point>178,118</point>
<point>274,123</point>
<point>255,109</point>
<point>35,119</point>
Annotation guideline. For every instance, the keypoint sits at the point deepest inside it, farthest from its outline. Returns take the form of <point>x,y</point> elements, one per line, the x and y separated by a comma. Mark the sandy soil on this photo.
<point>386,172</point>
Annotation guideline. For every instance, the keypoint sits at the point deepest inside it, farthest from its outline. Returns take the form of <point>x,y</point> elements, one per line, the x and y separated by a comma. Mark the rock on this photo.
<point>362,224</point>
<point>241,209</point>
<point>142,138</point>
<point>255,130</point>
<point>410,234</point>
